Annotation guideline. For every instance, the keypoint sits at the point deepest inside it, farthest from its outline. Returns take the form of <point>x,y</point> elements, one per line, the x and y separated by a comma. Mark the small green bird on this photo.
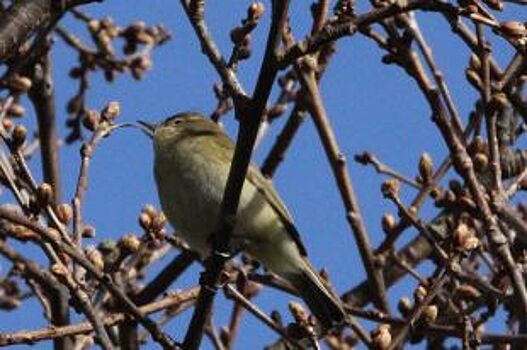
<point>192,161</point>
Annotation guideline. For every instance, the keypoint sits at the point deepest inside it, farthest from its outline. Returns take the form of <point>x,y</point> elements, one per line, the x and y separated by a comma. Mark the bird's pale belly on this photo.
<point>192,204</point>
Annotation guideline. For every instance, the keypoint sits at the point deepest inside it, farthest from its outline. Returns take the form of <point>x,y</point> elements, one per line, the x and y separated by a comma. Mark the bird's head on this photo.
<point>179,127</point>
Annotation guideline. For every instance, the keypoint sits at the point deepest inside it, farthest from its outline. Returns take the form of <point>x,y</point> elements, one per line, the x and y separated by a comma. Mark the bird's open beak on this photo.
<point>147,128</point>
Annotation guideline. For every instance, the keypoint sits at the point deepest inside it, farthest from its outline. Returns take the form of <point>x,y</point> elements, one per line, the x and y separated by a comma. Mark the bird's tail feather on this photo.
<point>326,307</point>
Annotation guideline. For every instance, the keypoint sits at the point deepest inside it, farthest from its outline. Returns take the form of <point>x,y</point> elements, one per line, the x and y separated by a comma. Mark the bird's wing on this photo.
<point>255,177</point>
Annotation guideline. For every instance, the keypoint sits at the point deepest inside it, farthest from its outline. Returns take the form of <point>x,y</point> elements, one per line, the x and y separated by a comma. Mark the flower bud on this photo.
<point>474,62</point>
<point>467,292</point>
<point>88,231</point>
<point>19,83</point>
<point>426,168</point>
<point>111,111</point>
<point>74,105</point>
<point>513,29</point>
<point>64,213</point>
<point>478,145</point>
<point>54,233</point>
<point>430,313</point>
<point>420,293</point>
<point>381,337</point>
<point>45,194</point>
<point>481,162</point>
<point>388,223</point>
<point>390,188</point>
<point>19,135</point>
<point>94,25</point>
<point>299,313</point>
<point>159,222</point>
<point>59,270</point>
<point>404,306</point>
<point>145,221</point>
<point>7,124</point>
<point>149,210</point>
<point>129,243</point>
<point>22,233</point>
<point>91,120</point>
<point>95,257</point>
<point>16,110</point>
<point>256,10</point>
<point>496,5</point>
<point>465,238</point>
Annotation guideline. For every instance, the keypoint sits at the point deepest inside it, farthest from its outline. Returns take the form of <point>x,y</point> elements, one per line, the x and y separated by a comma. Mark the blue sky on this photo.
<point>372,107</point>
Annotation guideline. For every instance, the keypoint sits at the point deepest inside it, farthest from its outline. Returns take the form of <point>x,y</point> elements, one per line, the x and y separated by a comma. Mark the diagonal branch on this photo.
<point>338,164</point>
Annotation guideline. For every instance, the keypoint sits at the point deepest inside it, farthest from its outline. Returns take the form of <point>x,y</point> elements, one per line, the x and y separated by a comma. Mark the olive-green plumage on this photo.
<point>192,162</point>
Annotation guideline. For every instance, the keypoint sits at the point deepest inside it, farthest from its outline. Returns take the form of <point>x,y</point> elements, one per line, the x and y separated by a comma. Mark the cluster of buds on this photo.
<point>241,35</point>
<point>381,337</point>
<point>406,306</point>
<point>420,293</point>
<point>390,188</point>
<point>64,213</point>
<point>515,32</point>
<point>430,311</point>
<point>478,151</point>
<point>110,111</point>
<point>475,10</point>
<point>104,57</point>
<point>95,256</point>
<point>10,293</point>
<point>304,325</point>
<point>465,238</point>
<point>129,244</point>
<point>456,195</point>
<point>138,33</point>
<point>109,255</point>
<point>344,9</point>
<point>140,65</point>
<point>153,221</point>
<point>12,110</point>
<point>93,119</point>
<point>103,32</point>
<point>17,86</point>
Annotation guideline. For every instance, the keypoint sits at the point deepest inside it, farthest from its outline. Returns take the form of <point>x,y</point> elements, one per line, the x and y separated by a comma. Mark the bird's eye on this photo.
<point>177,121</point>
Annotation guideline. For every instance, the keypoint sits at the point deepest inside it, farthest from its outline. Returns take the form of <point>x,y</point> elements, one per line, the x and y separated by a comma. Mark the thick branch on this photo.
<point>251,117</point>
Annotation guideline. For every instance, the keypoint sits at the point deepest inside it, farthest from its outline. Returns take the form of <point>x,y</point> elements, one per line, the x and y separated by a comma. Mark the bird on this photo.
<point>192,159</point>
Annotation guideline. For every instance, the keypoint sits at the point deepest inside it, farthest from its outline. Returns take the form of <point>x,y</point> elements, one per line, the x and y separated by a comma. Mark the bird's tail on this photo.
<point>326,307</point>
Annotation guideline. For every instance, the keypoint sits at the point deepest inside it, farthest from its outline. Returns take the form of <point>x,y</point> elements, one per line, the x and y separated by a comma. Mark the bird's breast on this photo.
<point>191,187</point>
